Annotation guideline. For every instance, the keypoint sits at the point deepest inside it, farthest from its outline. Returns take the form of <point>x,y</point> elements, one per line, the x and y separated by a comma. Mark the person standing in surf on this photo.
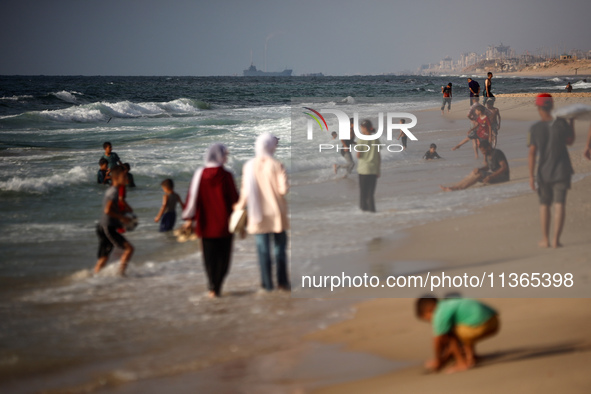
<point>212,193</point>
<point>368,168</point>
<point>264,186</point>
<point>345,151</point>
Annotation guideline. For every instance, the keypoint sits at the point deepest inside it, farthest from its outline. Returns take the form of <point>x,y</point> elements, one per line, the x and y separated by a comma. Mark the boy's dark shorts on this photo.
<point>553,192</point>
<point>498,179</point>
<point>108,238</point>
<point>167,222</point>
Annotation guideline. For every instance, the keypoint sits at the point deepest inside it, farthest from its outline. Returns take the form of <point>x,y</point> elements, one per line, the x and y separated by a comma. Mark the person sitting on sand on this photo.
<point>495,170</point>
<point>548,139</point>
<point>432,153</point>
<point>569,87</point>
<point>481,131</point>
<point>458,324</point>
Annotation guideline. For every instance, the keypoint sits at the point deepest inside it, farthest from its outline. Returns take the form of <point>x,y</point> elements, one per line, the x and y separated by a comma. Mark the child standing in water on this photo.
<point>111,157</point>
<point>102,177</point>
<point>168,209</point>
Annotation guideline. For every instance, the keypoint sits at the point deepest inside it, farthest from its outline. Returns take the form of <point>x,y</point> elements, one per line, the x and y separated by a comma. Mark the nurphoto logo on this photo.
<point>344,128</point>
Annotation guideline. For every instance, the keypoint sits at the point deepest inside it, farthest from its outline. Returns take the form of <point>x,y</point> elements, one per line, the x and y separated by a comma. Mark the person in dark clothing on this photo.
<point>474,88</point>
<point>548,140</point>
<point>495,170</point>
<point>488,96</point>
<point>431,153</point>
<point>447,95</point>
<point>208,208</point>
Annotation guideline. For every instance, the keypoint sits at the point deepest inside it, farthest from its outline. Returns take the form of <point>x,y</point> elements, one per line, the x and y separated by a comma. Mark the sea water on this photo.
<point>55,315</point>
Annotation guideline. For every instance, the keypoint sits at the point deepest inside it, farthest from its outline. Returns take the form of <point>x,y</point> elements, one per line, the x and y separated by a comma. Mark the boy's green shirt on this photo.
<point>465,311</point>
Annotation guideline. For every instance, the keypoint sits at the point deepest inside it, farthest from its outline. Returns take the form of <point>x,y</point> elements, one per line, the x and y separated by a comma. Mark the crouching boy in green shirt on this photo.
<point>458,323</point>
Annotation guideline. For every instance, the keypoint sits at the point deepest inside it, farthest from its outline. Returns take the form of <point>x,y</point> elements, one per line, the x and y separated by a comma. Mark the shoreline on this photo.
<point>293,356</point>
<point>534,352</point>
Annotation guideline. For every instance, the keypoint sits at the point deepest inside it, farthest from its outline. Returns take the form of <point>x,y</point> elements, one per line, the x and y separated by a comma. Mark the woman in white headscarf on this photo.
<point>209,205</point>
<point>264,186</point>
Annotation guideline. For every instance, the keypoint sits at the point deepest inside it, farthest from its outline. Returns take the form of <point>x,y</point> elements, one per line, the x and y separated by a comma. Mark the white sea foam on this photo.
<point>16,98</point>
<point>43,184</point>
<point>581,85</point>
<point>68,97</point>
<point>102,111</point>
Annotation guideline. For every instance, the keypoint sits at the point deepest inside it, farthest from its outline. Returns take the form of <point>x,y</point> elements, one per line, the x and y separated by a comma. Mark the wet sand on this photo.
<point>543,345</point>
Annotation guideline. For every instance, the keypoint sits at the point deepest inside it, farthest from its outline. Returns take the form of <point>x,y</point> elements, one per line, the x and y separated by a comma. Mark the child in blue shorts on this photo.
<point>167,214</point>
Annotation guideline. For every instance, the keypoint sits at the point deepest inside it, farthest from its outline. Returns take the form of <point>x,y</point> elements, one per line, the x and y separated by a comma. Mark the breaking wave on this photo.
<point>103,111</point>
<point>43,184</point>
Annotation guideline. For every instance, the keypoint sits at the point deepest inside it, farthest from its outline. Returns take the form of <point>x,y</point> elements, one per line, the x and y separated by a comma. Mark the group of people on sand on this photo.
<point>458,323</point>
<point>211,200</point>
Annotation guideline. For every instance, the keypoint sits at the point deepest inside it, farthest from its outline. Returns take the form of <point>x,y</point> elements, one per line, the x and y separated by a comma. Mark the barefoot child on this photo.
<point>458,323</point>
<point>168,209</point>
<point>111,220</point>
<point>480,132</point>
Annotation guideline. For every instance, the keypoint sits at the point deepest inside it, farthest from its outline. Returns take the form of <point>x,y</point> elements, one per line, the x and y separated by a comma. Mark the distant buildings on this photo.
<point>498,58</point>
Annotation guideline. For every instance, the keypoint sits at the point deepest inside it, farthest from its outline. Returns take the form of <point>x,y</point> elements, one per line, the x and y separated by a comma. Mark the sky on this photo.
<point>335,37</point>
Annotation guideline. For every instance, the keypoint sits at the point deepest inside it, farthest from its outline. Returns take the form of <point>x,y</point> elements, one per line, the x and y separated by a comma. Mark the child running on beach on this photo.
<point>481,131</point>
<point>111,220</point>
<point>432,153</point>
<point>168,209</point>
<point>102,177</point>
<point>458,323</point>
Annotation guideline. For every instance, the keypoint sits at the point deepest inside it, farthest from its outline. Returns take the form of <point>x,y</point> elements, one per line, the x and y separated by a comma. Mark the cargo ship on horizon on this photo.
<point>253,72</point>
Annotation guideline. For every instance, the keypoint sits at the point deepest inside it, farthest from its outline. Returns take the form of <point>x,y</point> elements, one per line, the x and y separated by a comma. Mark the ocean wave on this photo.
<point>581,85</point>
<point>67,96</point>
<point>556,79</point>
<point>43,184</point>
<point>102,111</point>
<point>16,98</point>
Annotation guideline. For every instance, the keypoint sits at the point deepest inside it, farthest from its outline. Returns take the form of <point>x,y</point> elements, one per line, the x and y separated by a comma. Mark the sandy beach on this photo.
<point>570,68</point>
<point>543,345</point>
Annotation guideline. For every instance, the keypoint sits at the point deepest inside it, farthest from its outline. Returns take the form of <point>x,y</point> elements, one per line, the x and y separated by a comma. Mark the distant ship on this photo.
<point>253,72</point>
<point>313,75</point>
